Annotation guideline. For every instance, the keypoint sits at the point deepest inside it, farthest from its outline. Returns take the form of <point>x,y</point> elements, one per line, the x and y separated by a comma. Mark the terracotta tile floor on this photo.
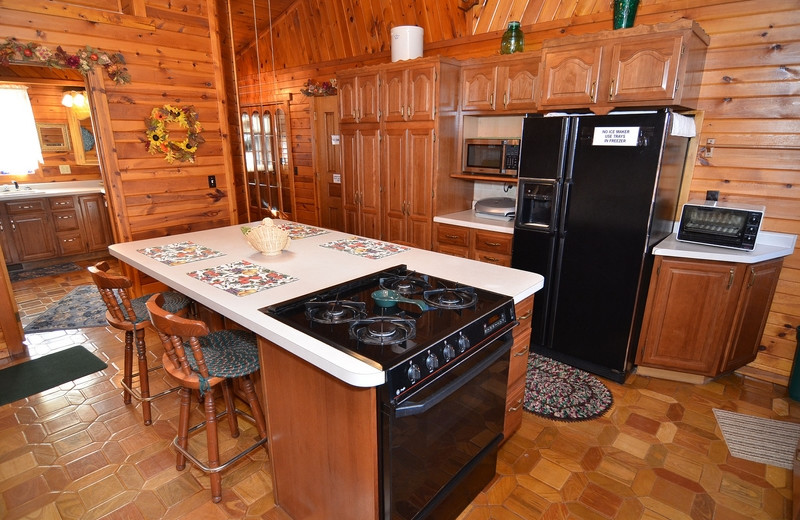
<point>77,451</point>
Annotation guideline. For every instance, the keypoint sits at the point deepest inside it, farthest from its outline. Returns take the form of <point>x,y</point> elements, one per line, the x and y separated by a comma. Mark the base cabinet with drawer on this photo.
<point>518,368</point>
<point>705,317</point>
<point>486,246</point>
<point>47,228</point>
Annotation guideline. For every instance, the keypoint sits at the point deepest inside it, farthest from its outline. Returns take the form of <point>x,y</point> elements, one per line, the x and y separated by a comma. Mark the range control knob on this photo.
<point>463,343</point>
<point>432,362</point>
<point>414,373</point>
<point>448,352</point>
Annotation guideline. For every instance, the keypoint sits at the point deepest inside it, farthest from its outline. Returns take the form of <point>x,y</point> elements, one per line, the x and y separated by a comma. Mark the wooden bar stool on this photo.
<point>200,360</point>
<point>130,315</point>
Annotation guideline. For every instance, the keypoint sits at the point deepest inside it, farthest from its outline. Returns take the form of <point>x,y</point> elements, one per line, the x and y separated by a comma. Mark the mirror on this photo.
<point>82,134</point>
<point>53,137</point>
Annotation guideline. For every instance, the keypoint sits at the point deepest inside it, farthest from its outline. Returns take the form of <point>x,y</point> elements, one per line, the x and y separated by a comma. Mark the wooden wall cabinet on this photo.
<point>518,368</point>
<point>645,66</point>
<point>705,317</point>
<point>358,96</point>
<point>67,226</point>
<point>396,166</point>
<point>486,246</point>
<point>500,84</point>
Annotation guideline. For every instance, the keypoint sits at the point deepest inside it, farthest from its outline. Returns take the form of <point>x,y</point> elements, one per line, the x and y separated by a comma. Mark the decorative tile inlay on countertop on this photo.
<point>179,253</point>
<point>372,249</point>
<point>298,231</point>
<point>242,277</point>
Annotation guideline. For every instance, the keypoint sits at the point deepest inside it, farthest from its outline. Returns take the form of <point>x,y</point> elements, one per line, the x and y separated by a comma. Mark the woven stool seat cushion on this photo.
<point>227,353</point>
<point>173,302</point>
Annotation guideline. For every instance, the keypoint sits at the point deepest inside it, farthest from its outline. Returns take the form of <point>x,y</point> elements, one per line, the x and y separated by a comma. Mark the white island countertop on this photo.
<point>314,267</point>
<point>49,189</point>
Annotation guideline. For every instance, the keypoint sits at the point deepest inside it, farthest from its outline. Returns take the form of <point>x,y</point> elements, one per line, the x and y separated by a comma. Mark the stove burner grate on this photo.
<point>383,330</point>
<point>447,298</point>
<point>332,312</point>
<point>407,284</point>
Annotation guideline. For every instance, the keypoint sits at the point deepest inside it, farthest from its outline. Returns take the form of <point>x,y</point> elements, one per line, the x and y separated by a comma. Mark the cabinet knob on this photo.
<point>523,351</point>
<point>452,237</point>
<point>492,244</point>
<point>611,91</point>
<point>730,278</point>
<point>592,90</point>
<point>527,315</point>
<point>515,408</point>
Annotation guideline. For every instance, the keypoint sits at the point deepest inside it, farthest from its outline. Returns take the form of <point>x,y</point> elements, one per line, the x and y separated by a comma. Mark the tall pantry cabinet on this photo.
<point>398,158</point>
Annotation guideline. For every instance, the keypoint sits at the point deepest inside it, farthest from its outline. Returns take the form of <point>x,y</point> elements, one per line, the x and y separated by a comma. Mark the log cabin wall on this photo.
<point>750,93</point>
<point>172,53</point>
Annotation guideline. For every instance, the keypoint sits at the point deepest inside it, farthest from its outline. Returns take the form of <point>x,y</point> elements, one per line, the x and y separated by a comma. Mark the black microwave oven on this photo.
<point>491,157</point>
<point>720,224</point>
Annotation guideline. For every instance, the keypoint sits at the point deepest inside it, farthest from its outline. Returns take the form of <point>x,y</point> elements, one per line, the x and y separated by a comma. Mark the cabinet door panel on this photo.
<point>692,308</point>
<point>350,182</point>
<point>645,70</point>
<point>570,75</point>
<point>419,187</point>
<point>33,237</point>
<point>394,96</point>
<point>478,85</point>
<point>420,100</point>
<point>347,99</point>
<point>95,222</point>
<point>519,91</point>
<point>369,180</point>
<point>754,302</point>
<point>368,107</point>
<point>395,197</point>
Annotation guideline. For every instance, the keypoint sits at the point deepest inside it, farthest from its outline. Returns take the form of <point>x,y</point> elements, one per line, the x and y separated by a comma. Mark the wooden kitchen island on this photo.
<point>321,404</point>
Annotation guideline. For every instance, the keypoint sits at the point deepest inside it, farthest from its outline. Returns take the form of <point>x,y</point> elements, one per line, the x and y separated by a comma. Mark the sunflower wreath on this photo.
<point>158,140</point>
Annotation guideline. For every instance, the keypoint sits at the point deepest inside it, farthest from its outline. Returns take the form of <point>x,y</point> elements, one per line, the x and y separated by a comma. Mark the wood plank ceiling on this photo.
<point>251,16</point>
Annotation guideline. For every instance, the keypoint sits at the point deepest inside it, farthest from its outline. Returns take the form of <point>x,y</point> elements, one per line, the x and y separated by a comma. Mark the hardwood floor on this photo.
<point>77,451</point>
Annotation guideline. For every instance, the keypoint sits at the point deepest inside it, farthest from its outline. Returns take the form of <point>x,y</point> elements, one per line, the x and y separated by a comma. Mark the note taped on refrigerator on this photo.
<point>616,136</point>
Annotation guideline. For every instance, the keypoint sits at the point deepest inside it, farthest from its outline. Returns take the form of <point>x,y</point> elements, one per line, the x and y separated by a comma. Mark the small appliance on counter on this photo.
<point>721,224</point>
<point>500,208</point>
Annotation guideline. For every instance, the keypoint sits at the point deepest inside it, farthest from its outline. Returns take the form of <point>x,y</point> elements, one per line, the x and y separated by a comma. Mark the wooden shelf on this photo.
<point>493,178</point>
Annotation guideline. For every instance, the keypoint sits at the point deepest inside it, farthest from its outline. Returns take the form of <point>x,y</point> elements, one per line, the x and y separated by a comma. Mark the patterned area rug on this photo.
<point>759,440</point>
<point>563,393</point>
<point>83,307</point>
<point>18,276</point>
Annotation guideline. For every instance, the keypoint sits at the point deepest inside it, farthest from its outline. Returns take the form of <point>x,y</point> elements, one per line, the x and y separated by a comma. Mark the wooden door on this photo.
<point>420,93</point>
<point>419,186</point>
<point>95,222</point>
<point>368,98</point>
<point>350,178</point>
<point>645,69</point>
<point>478,85</point>
<point>393,95</point>
<point>689,315</point>
<point>395,198</point>
<point>6,237</point>
<point>754,303</point>
<point>370,182</point>
<point>327,162</point>
<point>518,85</point>
<point>571,75</point>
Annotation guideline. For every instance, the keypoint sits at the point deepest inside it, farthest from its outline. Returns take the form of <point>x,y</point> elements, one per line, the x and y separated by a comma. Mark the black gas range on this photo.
<point>410,340</point>
<point>445,348</point>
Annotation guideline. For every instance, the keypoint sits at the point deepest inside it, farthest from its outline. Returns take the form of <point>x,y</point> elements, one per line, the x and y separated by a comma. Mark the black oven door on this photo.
<point>439,444</point>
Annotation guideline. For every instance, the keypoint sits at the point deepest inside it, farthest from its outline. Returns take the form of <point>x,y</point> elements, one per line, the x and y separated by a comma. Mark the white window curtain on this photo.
<point>20,151</point>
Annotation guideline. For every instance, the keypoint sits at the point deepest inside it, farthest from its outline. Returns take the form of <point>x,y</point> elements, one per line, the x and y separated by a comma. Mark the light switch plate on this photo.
<point>64,168</point>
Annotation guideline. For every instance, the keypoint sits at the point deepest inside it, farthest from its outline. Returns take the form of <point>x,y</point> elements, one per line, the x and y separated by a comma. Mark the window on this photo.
<point>20,150</point>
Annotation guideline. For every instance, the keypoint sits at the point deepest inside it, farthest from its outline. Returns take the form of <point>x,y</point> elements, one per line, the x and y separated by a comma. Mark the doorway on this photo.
<point>327,161</point>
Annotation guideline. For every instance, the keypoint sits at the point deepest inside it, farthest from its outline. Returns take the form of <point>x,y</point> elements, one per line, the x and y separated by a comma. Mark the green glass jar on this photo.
<point>513,39</point>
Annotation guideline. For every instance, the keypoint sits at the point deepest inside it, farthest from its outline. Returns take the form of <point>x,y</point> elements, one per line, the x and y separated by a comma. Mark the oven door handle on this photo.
<point>415,408</point>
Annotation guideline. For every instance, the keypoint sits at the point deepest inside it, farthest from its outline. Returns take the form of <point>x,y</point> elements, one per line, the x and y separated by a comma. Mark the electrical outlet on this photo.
<point>64,168</point>
<point>212,181</point>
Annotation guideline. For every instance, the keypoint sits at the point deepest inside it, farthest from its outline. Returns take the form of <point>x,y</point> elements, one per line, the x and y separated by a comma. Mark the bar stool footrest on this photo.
<point>202,465</point>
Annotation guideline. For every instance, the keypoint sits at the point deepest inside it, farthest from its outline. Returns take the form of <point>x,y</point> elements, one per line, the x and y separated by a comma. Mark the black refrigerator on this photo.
<point>595,194</point>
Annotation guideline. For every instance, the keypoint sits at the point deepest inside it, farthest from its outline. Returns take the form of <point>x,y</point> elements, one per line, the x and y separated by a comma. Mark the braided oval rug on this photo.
<point>558,391</point>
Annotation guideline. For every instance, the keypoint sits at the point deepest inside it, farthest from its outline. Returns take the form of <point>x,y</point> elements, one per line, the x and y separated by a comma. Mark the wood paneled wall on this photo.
<point>750,94</point>
<point>172,53</point>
